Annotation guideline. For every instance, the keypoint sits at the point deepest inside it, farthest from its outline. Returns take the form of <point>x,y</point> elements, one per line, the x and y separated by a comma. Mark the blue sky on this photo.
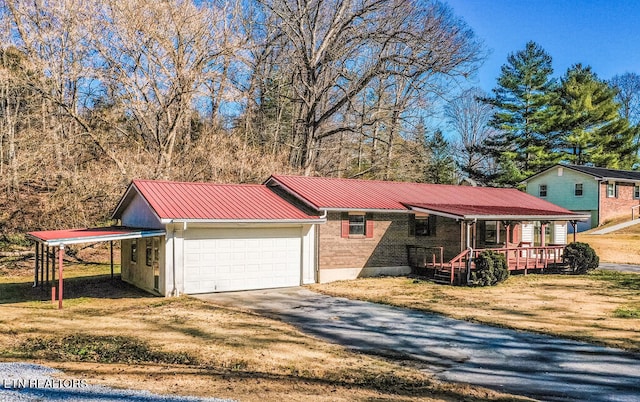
<point>604,34</point>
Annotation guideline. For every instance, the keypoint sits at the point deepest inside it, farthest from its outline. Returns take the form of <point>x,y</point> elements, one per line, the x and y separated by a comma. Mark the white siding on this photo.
<point>138,214</point>
<point>559,233</point>
<point>527,232</point>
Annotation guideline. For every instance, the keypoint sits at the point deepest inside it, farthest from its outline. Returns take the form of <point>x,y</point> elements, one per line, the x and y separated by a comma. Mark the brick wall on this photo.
<point>619,206</point>
<point>387,247</point>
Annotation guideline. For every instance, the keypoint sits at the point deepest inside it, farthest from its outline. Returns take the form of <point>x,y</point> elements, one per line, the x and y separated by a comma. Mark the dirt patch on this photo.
<point>617,247</point>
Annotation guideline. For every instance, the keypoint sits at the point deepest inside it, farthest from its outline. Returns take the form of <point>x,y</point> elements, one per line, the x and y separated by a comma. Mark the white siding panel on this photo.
<point>559,233</point>
<point>527,233</point>
<point>230,259</point>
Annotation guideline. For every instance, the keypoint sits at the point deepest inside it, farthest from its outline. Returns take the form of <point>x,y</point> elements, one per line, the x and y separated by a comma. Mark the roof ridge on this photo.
<point>370,180</point>
<point>602,168</point>
<point>199,183</point>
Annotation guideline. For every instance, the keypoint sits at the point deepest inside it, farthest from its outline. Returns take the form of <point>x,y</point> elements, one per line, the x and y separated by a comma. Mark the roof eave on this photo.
<point>528,217</point>
<point>244,221</point>
<point>96,239</point>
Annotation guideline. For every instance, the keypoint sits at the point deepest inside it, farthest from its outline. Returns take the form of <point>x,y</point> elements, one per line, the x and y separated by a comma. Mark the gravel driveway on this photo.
<point>517,362</point>
<point>41,385</point>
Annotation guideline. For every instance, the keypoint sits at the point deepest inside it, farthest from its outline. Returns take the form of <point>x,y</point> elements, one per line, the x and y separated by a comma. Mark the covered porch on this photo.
<point>530,240</point>
<point>50,250</point>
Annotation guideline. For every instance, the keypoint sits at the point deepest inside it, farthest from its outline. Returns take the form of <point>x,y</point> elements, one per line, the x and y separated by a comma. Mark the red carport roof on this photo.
<point>215,202</point>
<point>350,194</point>
<point>91,235</point>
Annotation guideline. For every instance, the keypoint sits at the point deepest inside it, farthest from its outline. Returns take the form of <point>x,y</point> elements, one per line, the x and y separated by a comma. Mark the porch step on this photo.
<point>443,277</point>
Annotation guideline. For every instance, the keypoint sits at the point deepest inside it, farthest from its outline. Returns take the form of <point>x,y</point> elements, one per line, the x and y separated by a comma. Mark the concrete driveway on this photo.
<point>537,366</point>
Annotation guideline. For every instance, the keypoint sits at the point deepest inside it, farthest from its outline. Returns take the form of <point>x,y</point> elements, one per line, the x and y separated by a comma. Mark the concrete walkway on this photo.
<point>619,267</point>
<point>517,362</point>
<point>616,227</point>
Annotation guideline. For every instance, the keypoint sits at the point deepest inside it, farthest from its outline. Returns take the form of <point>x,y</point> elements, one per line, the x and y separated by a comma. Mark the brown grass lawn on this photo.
<point>621,247</point>
<point>603,307</point>
<point>113,334</point>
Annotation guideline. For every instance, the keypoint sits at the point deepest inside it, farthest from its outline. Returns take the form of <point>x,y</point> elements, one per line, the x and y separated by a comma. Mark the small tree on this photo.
<point>581,257</point>
<point>491,269</point>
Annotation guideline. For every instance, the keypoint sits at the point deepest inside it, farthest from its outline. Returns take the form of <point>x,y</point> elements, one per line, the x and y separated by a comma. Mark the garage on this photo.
<point>231,259</point>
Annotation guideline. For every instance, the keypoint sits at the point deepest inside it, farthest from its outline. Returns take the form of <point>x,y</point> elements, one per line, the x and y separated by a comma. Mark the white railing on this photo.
<point>633,216</point>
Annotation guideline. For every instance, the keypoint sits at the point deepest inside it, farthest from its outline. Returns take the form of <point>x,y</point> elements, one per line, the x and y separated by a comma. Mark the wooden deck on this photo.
<point>429,261</point>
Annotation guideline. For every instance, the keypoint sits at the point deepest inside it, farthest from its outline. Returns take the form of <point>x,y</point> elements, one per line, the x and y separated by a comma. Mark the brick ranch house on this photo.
<point>292,230</point>
<point>603,194</point>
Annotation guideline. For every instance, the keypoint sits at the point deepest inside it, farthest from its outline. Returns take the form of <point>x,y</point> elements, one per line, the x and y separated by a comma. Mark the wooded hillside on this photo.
<point>96,93</point>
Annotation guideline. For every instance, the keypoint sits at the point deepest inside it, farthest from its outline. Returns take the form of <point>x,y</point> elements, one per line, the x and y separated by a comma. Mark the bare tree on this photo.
<point>336,48</point>
<point>469,119</point>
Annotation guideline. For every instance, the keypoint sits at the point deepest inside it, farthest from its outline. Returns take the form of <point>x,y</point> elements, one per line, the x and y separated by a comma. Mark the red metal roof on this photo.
<point>90,235</point>
<point>208,201</point>
<point>332,193</point>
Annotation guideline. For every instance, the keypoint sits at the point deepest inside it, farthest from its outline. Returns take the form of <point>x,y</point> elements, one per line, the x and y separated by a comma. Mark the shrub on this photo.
<point>491,269</point>
<point>581,257</point>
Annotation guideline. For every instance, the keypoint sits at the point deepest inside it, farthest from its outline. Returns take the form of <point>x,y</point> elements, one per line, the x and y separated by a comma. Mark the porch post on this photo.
<point>111,252</point>
<point>507,228</point>
<point>47,276</point>
<point>574,224</point>
<point>60,258</point>
<point>35,276</point>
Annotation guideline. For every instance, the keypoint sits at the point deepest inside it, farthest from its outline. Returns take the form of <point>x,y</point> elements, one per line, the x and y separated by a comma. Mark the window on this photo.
<point>134,251</point>
<point>578,190</point>
<point>542,190</point>
<point>491,232</point>
<point>149,253</point>
<point>636,191</point>
<point>425,225</point>
<point>356,225</point>
<point>612,189</point>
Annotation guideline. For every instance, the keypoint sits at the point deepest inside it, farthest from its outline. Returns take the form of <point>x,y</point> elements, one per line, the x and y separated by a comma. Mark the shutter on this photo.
<point>368,221</point>
<point>412,225</point>
<point>345,225</point>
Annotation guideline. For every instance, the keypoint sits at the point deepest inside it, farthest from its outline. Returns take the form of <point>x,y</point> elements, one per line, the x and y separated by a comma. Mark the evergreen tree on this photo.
<point>524,144</point>
<point>587,115</point>
<point>440,168</point>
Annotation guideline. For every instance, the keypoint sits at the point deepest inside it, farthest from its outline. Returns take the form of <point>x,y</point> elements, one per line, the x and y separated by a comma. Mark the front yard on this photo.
<point>603,307</point>
<point>113,334</point>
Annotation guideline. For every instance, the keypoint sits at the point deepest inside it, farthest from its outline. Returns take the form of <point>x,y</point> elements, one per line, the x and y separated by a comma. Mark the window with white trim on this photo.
<point>636,191</point>
<point>542,190</point>
<point>578,190</point>
<point>612,189</point>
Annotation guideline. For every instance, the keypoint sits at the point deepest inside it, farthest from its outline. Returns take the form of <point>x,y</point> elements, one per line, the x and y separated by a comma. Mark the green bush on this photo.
<point>581,257</point>
<point>491,269</point>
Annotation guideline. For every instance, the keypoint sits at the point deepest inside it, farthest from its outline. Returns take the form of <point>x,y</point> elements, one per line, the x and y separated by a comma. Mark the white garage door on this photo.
<point>222,260</point>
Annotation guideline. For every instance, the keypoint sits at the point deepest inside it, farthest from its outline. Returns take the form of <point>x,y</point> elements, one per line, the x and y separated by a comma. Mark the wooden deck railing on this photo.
<point>518,259</point>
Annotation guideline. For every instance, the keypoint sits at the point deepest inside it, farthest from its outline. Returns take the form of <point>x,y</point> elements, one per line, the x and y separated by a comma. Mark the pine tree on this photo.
<point>587,115</point>
<point>525,89</point>
<point>441,167</point>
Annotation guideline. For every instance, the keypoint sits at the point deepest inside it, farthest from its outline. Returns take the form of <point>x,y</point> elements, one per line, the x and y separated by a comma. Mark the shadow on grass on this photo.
<point>383,384</point>
<point>97,286</point>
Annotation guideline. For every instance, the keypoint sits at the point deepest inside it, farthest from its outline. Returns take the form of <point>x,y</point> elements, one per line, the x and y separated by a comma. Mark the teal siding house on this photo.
<point>604,194</point>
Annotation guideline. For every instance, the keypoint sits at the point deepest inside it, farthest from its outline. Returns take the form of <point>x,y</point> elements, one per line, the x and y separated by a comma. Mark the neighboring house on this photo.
<point>604,194</point>
<point>292,230</point>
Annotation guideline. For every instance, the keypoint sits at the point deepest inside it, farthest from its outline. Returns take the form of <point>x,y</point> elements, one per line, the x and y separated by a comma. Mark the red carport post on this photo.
<point>60,257</point>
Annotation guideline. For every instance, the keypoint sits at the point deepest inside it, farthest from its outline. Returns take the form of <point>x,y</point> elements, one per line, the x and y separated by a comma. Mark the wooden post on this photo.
<point>35,277</point>
<point>111,250</point>
<point>60,258</point>
<point>42,266</point>
<point>53,265</point>
<point>47,276</point>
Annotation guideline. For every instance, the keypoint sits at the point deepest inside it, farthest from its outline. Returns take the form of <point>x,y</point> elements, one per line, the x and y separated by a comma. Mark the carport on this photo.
<point>47,241</point>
